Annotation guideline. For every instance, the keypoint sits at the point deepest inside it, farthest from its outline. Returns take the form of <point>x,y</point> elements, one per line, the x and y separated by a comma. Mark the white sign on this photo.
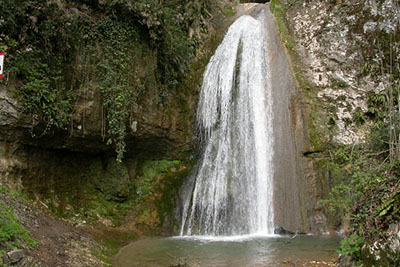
<point>1,64</point>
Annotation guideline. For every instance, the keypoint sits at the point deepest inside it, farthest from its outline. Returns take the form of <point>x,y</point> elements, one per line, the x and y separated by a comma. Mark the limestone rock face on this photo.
<point>335,62</point>
<point>63,165</point>
<point>12,122</point>
<point>153,130</point>
<point>332,39</point>
<point>296,187</point>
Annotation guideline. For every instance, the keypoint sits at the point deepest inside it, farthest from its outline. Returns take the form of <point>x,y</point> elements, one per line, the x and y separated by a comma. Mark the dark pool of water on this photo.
<point>232,252</point>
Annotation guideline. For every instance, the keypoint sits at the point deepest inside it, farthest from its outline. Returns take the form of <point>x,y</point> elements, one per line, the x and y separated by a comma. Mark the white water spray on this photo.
<point>233,187</point>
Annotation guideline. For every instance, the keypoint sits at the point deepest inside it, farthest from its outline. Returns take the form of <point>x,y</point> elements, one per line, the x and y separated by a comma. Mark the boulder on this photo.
<point>15,256</point>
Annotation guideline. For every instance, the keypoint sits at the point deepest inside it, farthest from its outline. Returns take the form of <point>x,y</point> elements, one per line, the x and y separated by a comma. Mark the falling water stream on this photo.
<point>228,210</point>
<point>232,193</point>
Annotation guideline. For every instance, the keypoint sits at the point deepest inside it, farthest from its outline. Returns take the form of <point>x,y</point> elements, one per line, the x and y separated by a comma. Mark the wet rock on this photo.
<point>281,231</point>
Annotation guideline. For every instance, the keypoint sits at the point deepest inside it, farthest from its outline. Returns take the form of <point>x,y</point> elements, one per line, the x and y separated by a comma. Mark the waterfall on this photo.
<point>232,188</point>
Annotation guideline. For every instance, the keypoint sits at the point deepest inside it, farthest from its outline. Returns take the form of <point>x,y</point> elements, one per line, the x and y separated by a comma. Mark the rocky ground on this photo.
<point>313,263</point>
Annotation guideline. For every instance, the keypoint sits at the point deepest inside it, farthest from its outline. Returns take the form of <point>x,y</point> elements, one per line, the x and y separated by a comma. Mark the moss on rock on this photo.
<point>112,179</point>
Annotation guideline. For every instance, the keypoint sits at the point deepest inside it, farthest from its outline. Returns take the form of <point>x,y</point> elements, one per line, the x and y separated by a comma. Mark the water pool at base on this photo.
<point>232,252</point>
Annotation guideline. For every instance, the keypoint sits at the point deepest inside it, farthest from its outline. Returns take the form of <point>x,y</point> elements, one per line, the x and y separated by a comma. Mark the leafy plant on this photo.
<point>44,93</point>
<point>351,246</point>
<point>120,85</point>
<point>365,190</point>
<point>37,56</point>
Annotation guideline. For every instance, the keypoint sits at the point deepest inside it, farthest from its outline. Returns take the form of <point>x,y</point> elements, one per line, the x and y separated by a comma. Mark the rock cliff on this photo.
<point>345,55</point>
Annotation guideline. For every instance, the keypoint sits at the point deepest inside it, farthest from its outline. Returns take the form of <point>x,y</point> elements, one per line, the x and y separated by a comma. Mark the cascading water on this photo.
<point>246,150</point>
<point>233,186</point>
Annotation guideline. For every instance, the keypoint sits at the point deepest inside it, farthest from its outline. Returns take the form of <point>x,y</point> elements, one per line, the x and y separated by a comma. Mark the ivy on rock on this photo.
<point>45,42</point>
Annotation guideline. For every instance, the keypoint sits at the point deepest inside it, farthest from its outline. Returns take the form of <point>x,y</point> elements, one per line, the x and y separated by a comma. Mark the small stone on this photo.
<point>15,256</point>
<point>106,222</point>
<point>134,126</point>
<point>369,26</point>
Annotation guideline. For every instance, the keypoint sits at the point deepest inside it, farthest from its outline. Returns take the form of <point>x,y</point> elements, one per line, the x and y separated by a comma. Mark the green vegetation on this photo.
<point>351,246</point>
<point>169,191</point>
<point>89,206</point>
<point>37,57</point>
<point>12,234</point>
<point>366,185</point>
<point>157,188</point>
<point>107,196</point>
<point>151,173</point>
<point>96,207</point>
<point>366,190</point>
<point>55,106</point>
<point>113,50</point>
<point>376,209</point>
<point>279,11</point>
<point>56,49</point>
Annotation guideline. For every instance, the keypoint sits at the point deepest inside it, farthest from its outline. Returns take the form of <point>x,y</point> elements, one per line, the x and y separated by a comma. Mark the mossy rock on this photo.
<point>112,179</point>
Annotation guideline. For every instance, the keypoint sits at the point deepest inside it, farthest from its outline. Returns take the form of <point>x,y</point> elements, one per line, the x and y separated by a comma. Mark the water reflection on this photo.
<point>244,251</point>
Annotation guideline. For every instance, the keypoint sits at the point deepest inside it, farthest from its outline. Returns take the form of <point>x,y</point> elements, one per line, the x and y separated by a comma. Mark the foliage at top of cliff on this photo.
<point>60,26</point>
<point>55,48</point>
